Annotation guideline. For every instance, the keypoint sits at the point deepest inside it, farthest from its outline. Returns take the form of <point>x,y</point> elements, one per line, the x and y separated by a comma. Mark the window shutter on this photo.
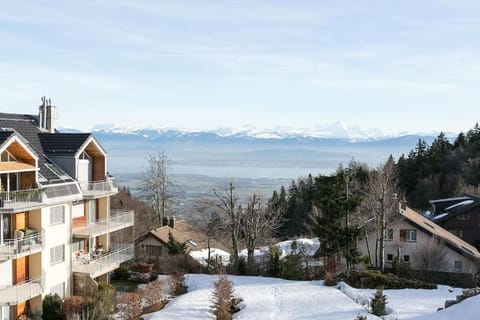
<point>403,234</point>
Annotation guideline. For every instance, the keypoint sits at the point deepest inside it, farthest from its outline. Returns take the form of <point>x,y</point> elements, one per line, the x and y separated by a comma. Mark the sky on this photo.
<point>394,65</point>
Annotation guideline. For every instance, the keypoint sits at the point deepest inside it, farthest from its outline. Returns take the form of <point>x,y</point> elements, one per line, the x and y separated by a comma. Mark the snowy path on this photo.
<point>277,299</point>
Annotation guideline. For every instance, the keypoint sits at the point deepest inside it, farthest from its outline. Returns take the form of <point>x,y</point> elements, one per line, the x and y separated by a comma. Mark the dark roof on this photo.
<point>62,143</point>
<point>472,202</point>
<point>4,135</point>
<point>27,126</point>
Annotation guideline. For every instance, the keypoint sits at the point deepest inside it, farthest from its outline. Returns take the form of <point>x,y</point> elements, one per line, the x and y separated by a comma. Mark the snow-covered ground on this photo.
<point>269,298</point>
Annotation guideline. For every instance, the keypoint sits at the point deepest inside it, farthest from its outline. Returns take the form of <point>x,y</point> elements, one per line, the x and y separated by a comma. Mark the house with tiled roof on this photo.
<point>153,244</point>
<point>411,238</point>
<point>55,217</point>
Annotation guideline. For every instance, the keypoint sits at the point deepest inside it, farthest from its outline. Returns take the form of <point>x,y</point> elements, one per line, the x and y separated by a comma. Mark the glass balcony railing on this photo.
<point>21,199</point>
<point>118,220</point>
<point>16,248</point>
<point>20,292</point>
<point>94,188</point>
<point>97,264</point>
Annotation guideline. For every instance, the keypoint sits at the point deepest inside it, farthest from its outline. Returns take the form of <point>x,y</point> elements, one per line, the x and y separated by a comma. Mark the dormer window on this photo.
<point>7,157</point>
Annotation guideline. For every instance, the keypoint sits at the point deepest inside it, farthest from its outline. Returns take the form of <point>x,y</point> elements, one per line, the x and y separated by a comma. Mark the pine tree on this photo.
<point>379,303</point>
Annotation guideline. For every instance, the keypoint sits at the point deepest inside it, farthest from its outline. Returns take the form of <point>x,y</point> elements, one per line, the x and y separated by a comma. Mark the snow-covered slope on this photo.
<point>277,299</point>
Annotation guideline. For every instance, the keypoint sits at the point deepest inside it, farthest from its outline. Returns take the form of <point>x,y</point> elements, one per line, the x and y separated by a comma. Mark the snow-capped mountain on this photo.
<point>336,130</point>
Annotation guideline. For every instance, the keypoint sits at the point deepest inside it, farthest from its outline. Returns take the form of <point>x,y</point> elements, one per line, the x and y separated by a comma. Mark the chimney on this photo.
<point>165,221</point>
<point>47,115</point>
<point>171,222</point>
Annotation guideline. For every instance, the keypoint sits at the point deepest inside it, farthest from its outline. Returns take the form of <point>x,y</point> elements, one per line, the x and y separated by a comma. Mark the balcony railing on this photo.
<point>20,292</point>
<point>118,220</point>
<point>21,199</point>
<point>93,188</point>
<point>101,264</point>
<point>16,248</point>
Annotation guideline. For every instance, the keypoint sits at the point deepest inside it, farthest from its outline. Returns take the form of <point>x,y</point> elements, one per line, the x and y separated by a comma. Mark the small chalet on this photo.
<point>154,243</point>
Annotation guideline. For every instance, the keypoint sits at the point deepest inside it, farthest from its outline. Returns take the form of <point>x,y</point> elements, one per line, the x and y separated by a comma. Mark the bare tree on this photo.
<point>157,186</point>
<point>431,256</point>
<point>227,203</point>
<point>382,202</point>
<point>211,225</point>
<point>258,223</point>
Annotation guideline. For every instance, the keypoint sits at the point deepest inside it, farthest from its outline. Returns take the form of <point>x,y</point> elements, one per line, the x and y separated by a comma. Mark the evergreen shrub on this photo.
<point>372,279</point>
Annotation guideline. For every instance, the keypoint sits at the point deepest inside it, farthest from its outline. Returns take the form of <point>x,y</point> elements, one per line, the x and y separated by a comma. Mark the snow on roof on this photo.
<point>460,204</point>
<point>440,216</point>
<point>308,246</point>
<point>450,199</point>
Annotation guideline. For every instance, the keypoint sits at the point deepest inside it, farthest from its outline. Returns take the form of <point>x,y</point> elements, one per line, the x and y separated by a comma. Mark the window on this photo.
<point>59,289</point>
<point>411,235</point>
<point>57,215</point>
<point>389,234</point>
<point>389,257</point>
<point>7,157</point>
<point>463,216</point>
<point>406,258</point>
<point>457,265</point>
<point>57,254</point>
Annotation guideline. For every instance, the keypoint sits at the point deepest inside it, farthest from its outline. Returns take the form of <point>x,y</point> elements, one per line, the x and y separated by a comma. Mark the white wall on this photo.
<point>6,273</point>
<point>410,248</point>
<point>54,236</point>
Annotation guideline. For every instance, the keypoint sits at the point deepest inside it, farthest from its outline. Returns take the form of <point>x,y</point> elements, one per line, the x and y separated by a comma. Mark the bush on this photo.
<point>177,284</point>
<point>378,303</point>
<point>122,273</point>
<point>142,267</point>
<point>51,307</point>
<point>292,268</point>
<point>274,267</point>
<point>401,268</point>
<point>102,304</point>
<point>130,306</point>
<point>372,279</point>
<point>73,307</point>
<point>330,280</point>
<point>222,298</point>
<point>359,317</point>
<point>152,293</point>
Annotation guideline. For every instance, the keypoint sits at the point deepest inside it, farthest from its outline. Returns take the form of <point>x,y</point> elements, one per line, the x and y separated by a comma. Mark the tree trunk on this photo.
<point>208,254</point>
<point>368,248</point>
<point>382,243</point>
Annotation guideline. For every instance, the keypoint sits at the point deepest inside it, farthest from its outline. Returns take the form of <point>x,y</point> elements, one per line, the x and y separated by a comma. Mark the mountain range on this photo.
<point>250,152</point>
<point>336,130</point>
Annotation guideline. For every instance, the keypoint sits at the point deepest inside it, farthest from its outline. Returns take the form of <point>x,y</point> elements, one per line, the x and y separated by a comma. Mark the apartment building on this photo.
<point>55,217</point>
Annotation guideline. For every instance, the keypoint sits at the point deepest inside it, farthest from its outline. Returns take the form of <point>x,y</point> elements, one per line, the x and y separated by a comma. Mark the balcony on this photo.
<point>98,189</point>
<point>17,248</point>
<point>21,292</point>
<point>96,266</point>
<point>118,220</point>
<point>21,199</point>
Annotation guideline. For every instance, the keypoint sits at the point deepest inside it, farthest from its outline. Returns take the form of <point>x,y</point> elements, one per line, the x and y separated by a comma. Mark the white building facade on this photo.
<point>55,217</point>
